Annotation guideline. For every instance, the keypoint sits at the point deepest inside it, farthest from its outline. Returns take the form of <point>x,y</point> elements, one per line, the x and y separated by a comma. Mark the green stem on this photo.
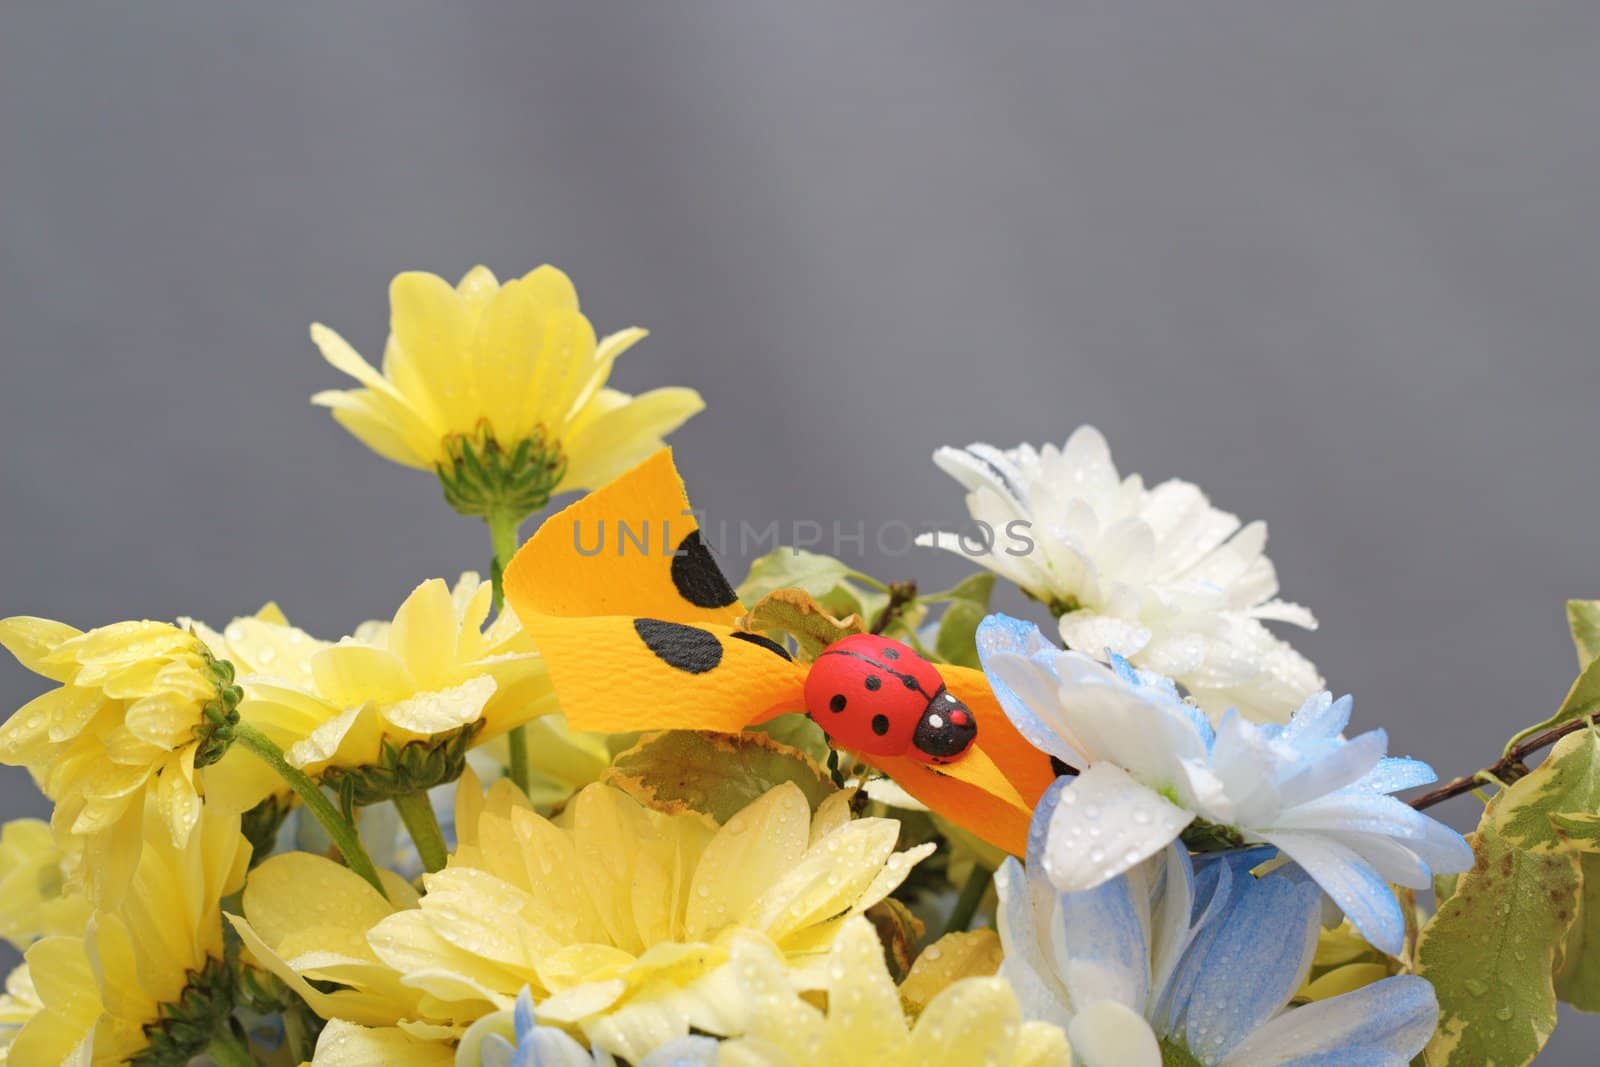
<point>416,811</point>
<point>227,1050</point>
<point>503,533</point>
<point>311,795</point>
<point>972,891</point>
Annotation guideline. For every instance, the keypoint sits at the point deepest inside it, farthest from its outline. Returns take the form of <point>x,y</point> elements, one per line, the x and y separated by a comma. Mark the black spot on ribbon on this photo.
<point>697,577</point>
<point>686,648</point>
<point>763,641</point>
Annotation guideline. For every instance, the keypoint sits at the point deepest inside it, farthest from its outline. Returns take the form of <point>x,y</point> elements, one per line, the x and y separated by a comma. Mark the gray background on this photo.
<point>1336,263</point>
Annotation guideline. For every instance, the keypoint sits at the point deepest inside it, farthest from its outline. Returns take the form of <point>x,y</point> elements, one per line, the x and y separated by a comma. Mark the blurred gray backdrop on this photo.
<point>1339,264</point>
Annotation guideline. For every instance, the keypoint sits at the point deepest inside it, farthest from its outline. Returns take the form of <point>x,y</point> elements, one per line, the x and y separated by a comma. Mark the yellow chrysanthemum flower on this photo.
<point>19,1003</point>
<point>617,917</point>
<point>149,973</point>
<point>397,705</point>
<point>138,709</point>
<point>262,645</point>
<point>35,901</point>
<point>502,378</point>
<point>971,1020</point>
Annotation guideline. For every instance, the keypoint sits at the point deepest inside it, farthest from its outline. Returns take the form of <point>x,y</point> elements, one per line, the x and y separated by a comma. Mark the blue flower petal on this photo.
<point>1000,636</point>
<point>522,1015</point>
<point>1107,937</point>
<point>1320,718</point>
<point>1394,773</point>
<point>1253,965</point>
<point>1358,890</point>
<point>690,1051</point>
<point>1386,1022</point>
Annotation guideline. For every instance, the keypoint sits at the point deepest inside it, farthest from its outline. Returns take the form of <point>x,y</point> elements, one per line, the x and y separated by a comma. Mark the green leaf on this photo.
<point>1582,699</point>
<point>1583,618</point>
<point>1578,976</point>
<point>969,603</point>
<point>1566,783</point>
<point>793,568</point>
<point>1493,946</point>
<point>714,774</point>
<point>798,731</point>
<point>1491,949</point>
<point>796,613</point>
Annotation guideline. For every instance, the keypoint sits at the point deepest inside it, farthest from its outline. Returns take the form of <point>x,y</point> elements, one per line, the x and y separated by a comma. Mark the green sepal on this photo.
<point>186,1027</point>
<point>483,478</point>
<point>260,824</point>
<point>219,715</point>
<point>415,766</point>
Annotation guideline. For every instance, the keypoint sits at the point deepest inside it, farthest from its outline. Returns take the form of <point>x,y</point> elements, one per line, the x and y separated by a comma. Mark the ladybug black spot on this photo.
<point>873,683</point>
<point>837,703</point>
<point>697,577</point>
<point>889,653</point>
<point>911,683</point>
<point>880,724</point>
<point>763,641</point>
<point>686,648</point>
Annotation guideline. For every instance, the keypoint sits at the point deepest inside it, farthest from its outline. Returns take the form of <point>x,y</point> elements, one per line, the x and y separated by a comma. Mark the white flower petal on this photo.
<point>1106,823</point>
<point>1109,1034</point>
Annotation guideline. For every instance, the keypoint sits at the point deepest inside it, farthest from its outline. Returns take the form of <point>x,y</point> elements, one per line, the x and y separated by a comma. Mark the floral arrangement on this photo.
<point>605,807</point>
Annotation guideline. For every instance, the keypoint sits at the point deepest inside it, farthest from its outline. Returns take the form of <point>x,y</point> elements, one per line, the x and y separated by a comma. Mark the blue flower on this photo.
<point>1153,765</point>
<point>495,1041</point>
<point>1169,961</point>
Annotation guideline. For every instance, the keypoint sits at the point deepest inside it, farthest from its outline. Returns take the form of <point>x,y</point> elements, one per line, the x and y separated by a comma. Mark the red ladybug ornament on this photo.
<point>877,696</point>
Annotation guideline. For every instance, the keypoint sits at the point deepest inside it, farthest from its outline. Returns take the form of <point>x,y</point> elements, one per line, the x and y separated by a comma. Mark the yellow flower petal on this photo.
<point>958,955</point>
<point>343,1044</point>
<point>606,445</point>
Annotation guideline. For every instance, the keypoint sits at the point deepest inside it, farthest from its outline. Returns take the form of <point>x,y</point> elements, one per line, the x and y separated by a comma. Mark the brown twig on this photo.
<point>1507,768</point>
<point>900,594</point>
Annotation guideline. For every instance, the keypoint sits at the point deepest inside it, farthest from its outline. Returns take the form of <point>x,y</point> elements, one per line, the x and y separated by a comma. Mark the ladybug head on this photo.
<point>946,729</point>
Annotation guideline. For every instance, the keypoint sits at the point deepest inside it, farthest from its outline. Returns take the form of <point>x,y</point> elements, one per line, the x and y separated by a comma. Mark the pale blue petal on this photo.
<point>1108,942</point>
<point>1442,849</point>
<point>1320,718</point>
<point>1019,663</point>
<point>1213,901</point>
<point>522,1015</point>
<point>1252,967</point>
<point>1393,1018</point>
<point>1358,890</point>
<point>1394,773</point>
<point>689,1051</point>
<point>495,1051</point>
<point>1040,994</point>
<point>1171,909</point>
<point>549,1047</point>
<point>1342,766</point>
<point>1366,812</point>
<point>1039,825</point>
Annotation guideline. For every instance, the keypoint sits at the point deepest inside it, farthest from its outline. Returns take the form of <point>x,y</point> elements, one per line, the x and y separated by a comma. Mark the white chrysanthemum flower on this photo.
<point>1167,965</point>
<point>1156,575</point>
<point>1153,767</point>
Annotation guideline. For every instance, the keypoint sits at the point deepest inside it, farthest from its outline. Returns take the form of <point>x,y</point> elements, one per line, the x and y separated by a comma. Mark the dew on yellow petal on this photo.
<point>748,854</point>
<point>958,955</point>
<point>344,1044</point>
